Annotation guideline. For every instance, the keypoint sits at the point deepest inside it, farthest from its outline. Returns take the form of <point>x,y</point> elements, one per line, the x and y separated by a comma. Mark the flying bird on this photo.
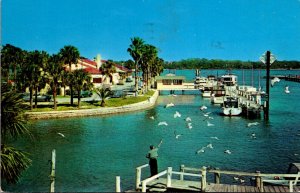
<point>200,150</point>
<point>151,117</point>
<point>274,80</point>
<point>177,114</point>
<point>216,138</point>
<point>169,105</point>
<point>163,123</point>
<point>189,125</point>
<point>203,107</point>
<point>177,135</point>
<point>252,124</point>
<point>210,124</point>
<point>206,114</point>
<point>227,151</point>
<point>188,119</point>
<point>61,134</point>
<point>210,146</point>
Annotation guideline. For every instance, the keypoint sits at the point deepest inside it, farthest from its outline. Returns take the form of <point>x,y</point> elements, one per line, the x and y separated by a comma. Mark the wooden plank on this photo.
<point>235,189</point>
<point>276,188</point>
<point>281,189</point>
<point>297,188</point>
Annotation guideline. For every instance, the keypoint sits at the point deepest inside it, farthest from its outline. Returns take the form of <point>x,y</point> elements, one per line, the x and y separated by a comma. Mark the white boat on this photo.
<point>206,92</point>
<point>230,106</point>
<point>229,79</point>
<point>200,82</point>
<point>216,99</point>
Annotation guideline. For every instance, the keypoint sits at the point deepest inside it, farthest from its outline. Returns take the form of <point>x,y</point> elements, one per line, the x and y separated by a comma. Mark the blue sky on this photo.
<point>181,29</point>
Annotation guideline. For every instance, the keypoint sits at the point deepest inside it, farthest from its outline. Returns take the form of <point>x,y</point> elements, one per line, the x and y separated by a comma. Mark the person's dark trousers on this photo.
<point>153,167</point>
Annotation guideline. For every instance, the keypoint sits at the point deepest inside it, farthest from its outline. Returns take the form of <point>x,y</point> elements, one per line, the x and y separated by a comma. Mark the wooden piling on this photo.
<point>203,179</point>
<point>181,170</point>
<point>169,177</point>
<point>52,175</point>
<point>118,184</point>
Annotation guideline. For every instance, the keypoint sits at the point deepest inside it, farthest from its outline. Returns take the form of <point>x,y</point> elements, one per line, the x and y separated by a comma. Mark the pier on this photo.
<point>197,180</point>
<point>293,78</point>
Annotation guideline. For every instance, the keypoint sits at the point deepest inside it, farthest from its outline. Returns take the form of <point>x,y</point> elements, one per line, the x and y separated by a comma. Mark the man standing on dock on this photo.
<point>152,156</point>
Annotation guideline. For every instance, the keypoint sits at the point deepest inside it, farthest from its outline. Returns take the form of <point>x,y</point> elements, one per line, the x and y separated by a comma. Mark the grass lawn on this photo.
<point>112,102</point>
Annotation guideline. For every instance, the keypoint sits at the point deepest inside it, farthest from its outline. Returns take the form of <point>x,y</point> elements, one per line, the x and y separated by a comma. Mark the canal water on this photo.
<point>97,149</point>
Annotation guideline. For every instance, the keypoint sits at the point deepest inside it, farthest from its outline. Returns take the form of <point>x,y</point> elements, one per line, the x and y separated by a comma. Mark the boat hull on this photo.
<point>232,111</point>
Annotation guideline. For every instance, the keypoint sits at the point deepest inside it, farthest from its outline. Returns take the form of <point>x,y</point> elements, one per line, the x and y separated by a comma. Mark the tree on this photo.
<point>81,79</point>
<point>54,72</point>
<point>107,69</point>
<point>135,50</point>
<point>70,55</point>
<point>103,94</point>
<point>11,57</point>
<point>13,125</point>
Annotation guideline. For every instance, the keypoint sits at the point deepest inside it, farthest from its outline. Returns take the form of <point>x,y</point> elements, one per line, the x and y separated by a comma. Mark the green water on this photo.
<point>97,149</point>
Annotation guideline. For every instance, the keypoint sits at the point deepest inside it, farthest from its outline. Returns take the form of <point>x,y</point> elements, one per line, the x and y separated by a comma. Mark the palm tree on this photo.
<point>135,50</point>
<point>80,80</point>
<point>107,69</point>
<point>54,73</point>
<point>13,125</point>
<point>70,55</point>
<point>103,94</point>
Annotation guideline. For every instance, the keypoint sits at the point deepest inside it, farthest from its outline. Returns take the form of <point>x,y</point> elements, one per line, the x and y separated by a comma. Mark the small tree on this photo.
<point>80,79</point>
<point>103,94</point>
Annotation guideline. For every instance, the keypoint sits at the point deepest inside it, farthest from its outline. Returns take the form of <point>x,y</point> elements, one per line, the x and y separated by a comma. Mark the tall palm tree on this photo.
<point>80,80</point>
<point>54,72</point>
<point>107,69</point>
<point>135,50</point>
<point>13,125</point>
<point>103,94</point>
<point>70,55</point>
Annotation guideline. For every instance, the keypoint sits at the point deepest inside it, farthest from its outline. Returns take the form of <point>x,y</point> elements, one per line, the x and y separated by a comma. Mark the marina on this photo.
<point>84,157</point>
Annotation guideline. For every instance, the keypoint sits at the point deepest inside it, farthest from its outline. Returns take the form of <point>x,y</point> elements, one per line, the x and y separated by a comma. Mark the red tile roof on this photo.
<point>92,70</point>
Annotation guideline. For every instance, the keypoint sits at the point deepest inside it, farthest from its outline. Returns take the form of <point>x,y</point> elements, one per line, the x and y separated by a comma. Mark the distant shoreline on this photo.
<point>94,112</point>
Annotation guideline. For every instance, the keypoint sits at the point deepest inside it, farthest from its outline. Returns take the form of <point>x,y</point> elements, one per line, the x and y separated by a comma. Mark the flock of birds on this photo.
<point>207,116</point>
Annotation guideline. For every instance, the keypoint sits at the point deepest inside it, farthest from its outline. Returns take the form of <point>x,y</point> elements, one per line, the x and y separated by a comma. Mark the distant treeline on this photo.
<point>196,63</point>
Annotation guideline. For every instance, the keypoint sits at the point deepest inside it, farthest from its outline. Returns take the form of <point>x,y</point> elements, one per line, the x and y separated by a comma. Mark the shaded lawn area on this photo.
<point>111,102</point>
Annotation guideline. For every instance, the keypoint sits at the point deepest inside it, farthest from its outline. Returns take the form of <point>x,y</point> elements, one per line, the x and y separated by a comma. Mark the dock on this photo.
<point>204,179</point>
<point>290,77</point>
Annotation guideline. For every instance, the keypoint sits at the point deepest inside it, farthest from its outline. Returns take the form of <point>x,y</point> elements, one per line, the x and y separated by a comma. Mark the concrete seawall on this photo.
<point>98,111</point>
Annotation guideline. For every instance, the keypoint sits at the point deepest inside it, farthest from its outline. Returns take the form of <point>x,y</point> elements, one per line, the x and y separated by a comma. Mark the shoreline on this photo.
<point>93,112</point>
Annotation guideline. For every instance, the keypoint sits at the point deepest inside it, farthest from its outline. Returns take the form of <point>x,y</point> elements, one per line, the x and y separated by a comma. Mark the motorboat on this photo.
<point>200,82</point>
<point>206,92</point>
<point>231,107</point>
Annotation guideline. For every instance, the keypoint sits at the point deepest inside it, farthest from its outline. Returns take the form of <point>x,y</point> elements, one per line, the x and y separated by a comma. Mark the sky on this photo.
<point>180,29</point>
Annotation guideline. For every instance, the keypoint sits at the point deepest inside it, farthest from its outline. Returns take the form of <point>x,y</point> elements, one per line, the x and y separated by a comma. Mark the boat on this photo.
<point>206,92</point>
<point>230,106</point>
<point>229,79</point>
<point>200,82</point>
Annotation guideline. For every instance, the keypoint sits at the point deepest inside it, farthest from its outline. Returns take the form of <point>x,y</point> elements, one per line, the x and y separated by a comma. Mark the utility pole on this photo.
<point>266,112</point>
<point>267,58</point>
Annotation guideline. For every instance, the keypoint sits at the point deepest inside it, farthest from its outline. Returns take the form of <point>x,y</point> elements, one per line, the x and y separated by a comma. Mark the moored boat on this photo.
<point>230,106</point>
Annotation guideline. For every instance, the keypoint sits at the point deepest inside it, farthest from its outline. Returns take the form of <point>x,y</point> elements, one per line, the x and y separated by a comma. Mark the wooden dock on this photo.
<point>195,180</point>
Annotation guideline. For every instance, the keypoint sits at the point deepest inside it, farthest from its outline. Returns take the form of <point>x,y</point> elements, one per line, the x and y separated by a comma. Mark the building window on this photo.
<point>97,80</point>
<point>177,82</point>
<point>166,82</point>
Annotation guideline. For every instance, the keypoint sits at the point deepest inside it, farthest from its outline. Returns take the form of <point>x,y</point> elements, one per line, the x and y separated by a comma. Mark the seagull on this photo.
<point>151,117</point>
<point>200,150</point>
<point>169,105</point>
<point>188,119</point>
<point>177,135</point>
<point>236,178</point>
<point>163,123</point>
<point>242,180</point>
<point>253,136</point>
<point>203,107</point>
<point>209,124</point>
<point>174,95</point>
<point>216,138</point>
<point>177,114</point>
<point>287,90</point>
<point>274,80</point>
<point>210,146</point>
<point>252,124</point>
<point>61,134</point>
<point>189,125</point>
<point>206,114</point>
<point>227,151</point>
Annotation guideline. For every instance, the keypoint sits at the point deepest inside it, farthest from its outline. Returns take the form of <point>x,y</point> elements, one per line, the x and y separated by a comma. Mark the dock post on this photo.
<point>181,170</point>
<point>118,184</point>
<point>52,175</point>
<point>138,178</point>
<point>217,177</point>
<point>259,182</point>
<point>169,177</point>
<point>203,179</point>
